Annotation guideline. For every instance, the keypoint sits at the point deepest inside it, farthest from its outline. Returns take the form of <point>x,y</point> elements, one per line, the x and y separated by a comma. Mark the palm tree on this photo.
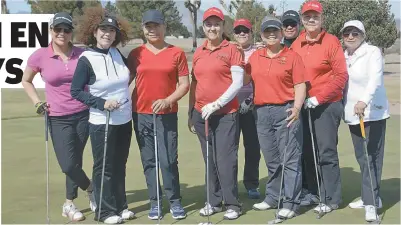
<point>193,6</point>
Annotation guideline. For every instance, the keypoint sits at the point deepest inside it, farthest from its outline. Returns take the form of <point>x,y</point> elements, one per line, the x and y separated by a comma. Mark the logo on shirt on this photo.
<point>282,60</point>
<point>224,56</point>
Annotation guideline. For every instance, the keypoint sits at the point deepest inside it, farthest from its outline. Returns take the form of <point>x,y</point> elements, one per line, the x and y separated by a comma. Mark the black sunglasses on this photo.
<point>241,30</point>
<point>292,24</point>
<point>354,34</point>
<point>59,29</point>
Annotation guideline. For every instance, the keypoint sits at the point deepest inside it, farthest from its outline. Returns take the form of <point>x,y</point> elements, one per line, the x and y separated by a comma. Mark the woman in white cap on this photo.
<point>365,98</point>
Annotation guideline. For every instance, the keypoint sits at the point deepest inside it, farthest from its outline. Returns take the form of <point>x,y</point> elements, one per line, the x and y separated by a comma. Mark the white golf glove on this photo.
<point>209,109</point>
<point>245,106</point>
<point>311,103</point>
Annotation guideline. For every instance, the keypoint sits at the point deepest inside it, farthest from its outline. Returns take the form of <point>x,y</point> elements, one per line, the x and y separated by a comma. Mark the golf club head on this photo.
<point>320,215</point>
<point>207,223</point>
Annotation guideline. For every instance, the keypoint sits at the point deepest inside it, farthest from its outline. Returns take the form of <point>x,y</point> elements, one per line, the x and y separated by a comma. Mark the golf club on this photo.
<point>104,162</point>
<point>207,173</point>
<point>321,213</point>
<point>47,165</point>
<point>365,148</point>
<point>157,167</point>
<point>279,219</point>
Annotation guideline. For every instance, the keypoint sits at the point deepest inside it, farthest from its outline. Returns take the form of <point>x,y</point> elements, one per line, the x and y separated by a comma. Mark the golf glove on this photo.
<point>245,106</point>
<point>209,109</point>
<point>41,107</point>
<point>311,103</point>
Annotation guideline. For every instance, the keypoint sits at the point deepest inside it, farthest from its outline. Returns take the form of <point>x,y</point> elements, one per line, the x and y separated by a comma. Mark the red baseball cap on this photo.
<point>243,22</point>
<point>213,12</point>
<point>312,5</point>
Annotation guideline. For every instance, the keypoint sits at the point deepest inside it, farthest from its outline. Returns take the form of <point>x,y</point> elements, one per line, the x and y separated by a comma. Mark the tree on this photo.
<point>133,10</point>
<point>201,33</point>
<point>254,12</point>
<point>193,6</point>
<point>379,22</point>
<point>111,7</point>
<point>272,10</point>
<point>4,9</point>
<point>75,8</point>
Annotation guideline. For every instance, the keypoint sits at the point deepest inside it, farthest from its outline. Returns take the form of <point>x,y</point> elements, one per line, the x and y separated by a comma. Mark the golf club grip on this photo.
<point>362,124</point>
<point>207,128</point>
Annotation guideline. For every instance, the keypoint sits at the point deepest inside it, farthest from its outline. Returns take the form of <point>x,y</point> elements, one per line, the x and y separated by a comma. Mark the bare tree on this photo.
<point>193,6</point>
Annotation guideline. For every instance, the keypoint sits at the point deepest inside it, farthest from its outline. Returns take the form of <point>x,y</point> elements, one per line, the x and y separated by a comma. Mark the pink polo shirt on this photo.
<point>57,76</point>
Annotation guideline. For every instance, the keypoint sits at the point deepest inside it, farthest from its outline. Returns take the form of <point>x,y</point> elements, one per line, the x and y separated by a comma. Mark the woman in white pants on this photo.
<point>365,98</point>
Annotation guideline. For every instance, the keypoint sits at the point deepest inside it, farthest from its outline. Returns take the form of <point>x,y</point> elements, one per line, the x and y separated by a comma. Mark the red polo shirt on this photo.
<point>156,76</point>
<point>325,66</point>
<point>211,69</point>
<point>274,78</point>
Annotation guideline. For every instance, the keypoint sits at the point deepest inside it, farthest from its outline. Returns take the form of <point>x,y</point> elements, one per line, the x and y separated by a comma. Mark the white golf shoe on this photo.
<point>209,210</point>
<point>72,213</point>
<point>286,213</point>
<point>232,214</point>
<point>262,206</point>
<point>322,208</point>
<point>358,204</point>
<point>127,215</point>
<point>113,220</point>
<point>370,213</point>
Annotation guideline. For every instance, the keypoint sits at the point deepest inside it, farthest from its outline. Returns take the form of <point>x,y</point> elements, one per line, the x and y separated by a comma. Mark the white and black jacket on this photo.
<point>105,73</point>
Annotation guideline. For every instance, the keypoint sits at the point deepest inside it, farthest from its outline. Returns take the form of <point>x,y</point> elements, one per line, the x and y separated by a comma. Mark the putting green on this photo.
<point>24,175</point>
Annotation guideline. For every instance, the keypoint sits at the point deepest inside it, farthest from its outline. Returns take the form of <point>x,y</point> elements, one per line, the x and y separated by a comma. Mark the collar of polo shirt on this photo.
<point>51,53</point>
<point>318,40</point>
<point>224,43</point>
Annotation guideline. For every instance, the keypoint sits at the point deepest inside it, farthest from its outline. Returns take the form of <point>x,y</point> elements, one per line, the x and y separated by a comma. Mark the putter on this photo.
<point>47,165</point>
<point>365,148</point>
<point>321,213</point>
<point>157,167</point>
<point>278,218</point>
<point>207,172</point>
<point>104,162</point>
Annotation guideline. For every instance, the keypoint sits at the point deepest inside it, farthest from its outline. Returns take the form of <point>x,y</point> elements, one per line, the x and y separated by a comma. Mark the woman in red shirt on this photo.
<point>217,76</point>
<point>158,67</point>
<point>327,73</point>
<point>278,76</point>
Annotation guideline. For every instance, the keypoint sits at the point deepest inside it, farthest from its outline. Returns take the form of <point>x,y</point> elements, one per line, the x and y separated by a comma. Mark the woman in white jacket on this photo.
<point>366,98</point>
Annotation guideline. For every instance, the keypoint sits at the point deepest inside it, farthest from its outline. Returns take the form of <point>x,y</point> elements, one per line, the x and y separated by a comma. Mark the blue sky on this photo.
<point>20,5</point>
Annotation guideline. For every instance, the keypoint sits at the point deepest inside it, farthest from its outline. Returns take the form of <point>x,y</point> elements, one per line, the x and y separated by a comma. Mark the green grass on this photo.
<point>24,175</point>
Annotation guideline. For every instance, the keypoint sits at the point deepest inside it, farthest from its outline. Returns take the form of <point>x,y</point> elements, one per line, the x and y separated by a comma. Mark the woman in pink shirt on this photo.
<point>68,118</point>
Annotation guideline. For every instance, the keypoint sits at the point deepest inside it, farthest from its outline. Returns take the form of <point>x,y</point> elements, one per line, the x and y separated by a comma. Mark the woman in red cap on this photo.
<point>243,36</point>
<point>217,76</point>
<point>327,73</point>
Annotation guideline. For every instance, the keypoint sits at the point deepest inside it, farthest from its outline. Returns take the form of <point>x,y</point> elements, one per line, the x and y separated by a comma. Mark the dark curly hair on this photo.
<point>90,20</point>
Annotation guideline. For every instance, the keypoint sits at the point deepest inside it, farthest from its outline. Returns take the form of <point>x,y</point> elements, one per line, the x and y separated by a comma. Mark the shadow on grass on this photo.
<point>351,189</point>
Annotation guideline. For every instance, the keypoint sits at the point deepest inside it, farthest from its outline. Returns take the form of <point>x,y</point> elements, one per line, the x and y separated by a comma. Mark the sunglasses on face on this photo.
<point>59,29</point>
<point>241,30</point>
<point>292,24</point>
<point>354,34</point>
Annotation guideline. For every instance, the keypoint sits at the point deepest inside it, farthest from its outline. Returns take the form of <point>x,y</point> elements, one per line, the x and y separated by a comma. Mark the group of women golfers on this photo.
<point>287,95</point>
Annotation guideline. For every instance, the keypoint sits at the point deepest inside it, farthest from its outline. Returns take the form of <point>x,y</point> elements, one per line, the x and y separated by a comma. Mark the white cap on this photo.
<point>354,23</point>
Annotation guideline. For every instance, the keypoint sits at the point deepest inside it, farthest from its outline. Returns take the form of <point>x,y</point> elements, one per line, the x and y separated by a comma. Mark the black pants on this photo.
<point>325,122</point>
<point>118,143</point>
<point>375,137</point>
<point>252,150</point>
<point>223,157</point>
<point>69,136</point>
<point>167,142</point>
<point>275,140</point>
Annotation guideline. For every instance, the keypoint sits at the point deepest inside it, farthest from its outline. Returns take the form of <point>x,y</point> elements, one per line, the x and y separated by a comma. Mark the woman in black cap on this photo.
<point>68,118</point>
<point>103,70</point>
<point>162,67</point>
